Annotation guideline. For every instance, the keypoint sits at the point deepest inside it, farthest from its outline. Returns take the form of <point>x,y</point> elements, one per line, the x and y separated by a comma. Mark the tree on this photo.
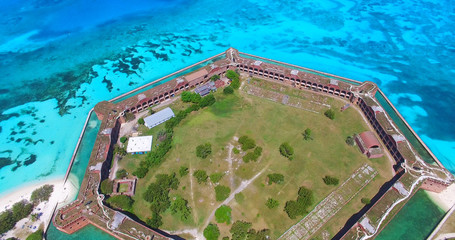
<point>204,150</point>
<point>42,194</point>
<point>211,232</point>
<point>180,206</point>
<point>330,114</point>
<point>122,173</point>
<point>129,116</point>
<point>119,151</point>
<point>106,186</point>
<point>155,221</point>
<point>216,177</point>
<point>140,172</point>
<point>38,235</point>
<point>121,201</point>
<point>215,77</point>
<point>183,171</point>
<point>207,101</point>
<point>141,121</point>
<point>253,156</point>
<point>272,203</point>
<point>329,180</point>
<point>350,141</point>
<point>223,214</point>
<point>299,207</point>
<point>228,90</point>
<point>232,74</point>
<point>235,83</point>
<point>222,192</point>
<point>287,151</point>
<point>307,134</point>
<point>247,143</point>
<point>366,201</point>
<point>239,230</point>
<point>275,178</point>
<point>186,96</point>
<point>123,139</point>
<point>201,176</point>
<point>151,111</point>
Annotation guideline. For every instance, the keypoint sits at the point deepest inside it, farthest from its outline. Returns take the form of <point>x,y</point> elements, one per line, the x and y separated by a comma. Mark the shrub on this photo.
<point>119,151</point>
<point>328,180</point>
<point>180,206</point>
<point>155,221</point>
<point>253,156</point>
<point>350,141</point>
<point>236,151</point>
<point>299,207</point>
<point>275,178</point>
<point>123,139</point>
<point>366,201</point>
<point>121,201</point>
<point>216,177</point>
<point>106,186</point>
<point>239,230</point>
<point>151,111</point>
<point>222,192</point>
<point>42,194</point>
<point>122,173</point>
<point>201,176</point>
<point>204,150</point>
<point>232,74</point>
<point>287,151</point>
<point>223,214</point>
<point>140,172</point>
<point>228,90</point>
<point>215,77</point>
<point>183,171</point>
<point>307,134</point>
<point>239,197</point>
<point>247,143</point>
<point>272,203</point>
<point>141,121</point>
<point>207,101</point>
<point>211,232</point>
<point>38,235</point>
<point>330,114</point>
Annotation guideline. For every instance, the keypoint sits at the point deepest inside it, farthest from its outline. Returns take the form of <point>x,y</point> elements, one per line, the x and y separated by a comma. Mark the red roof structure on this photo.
<point>369,144</point>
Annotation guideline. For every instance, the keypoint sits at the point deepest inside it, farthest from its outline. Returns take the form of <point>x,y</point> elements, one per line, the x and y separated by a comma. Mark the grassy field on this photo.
<point>269,124</point>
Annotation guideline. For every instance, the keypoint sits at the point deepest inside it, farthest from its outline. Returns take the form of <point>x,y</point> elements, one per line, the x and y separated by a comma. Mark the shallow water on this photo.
<point>416,220</point>
<point>59,58</point>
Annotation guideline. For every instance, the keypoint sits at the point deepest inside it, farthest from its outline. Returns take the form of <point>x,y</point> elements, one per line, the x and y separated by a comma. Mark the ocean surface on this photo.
<point>60,57</point>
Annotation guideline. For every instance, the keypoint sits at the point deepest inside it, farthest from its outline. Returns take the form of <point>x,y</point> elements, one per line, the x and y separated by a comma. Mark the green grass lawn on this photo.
<point>123,187</point>
<point>269,124</point>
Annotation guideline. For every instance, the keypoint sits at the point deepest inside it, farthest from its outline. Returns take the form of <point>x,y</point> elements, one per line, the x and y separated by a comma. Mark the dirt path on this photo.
<point>229,160</point>
<point>242,187</point>
<point>114,168</point>
<point>195,216</point>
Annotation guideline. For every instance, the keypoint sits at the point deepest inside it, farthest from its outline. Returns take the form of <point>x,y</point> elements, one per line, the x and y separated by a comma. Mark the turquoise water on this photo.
<point>59,58</point>
<point>89,232</point>
<point>416,220</point>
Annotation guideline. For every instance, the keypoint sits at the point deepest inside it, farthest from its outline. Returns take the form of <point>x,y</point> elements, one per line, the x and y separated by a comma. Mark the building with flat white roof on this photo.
<point>159,117</point>
<point>142,144</point>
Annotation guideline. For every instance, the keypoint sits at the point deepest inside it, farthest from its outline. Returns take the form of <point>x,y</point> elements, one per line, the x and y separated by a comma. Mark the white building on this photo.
<point>159,117</point>
<point>139,145</point>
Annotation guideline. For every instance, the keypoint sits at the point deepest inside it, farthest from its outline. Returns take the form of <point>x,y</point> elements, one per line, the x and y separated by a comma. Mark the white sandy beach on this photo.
<point>445,199</point>
<point>61,195</point>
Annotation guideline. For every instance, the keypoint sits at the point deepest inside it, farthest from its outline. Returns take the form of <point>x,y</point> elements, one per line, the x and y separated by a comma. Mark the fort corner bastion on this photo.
<point>89,207</point>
